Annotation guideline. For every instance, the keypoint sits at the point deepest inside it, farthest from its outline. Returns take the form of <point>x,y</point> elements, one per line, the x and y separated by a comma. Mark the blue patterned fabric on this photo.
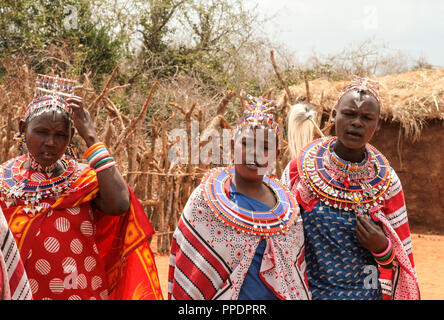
<point>338,268</point>
<point>253,288</point>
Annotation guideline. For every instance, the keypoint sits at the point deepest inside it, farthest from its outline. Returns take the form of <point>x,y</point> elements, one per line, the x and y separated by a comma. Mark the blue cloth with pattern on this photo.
<point>338,267</point>
<point>253,288</point>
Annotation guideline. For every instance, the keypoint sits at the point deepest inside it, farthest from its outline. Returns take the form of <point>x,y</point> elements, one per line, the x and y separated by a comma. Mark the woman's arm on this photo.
<point>113,196</point>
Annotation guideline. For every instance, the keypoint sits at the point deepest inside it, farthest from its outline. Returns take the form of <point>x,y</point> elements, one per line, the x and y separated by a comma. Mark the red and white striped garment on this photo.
<point>13,279</point>
<point>400,282</point>
<point>210,260</point>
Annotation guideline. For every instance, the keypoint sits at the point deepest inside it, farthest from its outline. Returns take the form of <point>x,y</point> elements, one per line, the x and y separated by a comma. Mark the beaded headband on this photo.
<point>49,93</point>
<point>46,103</point>
<point>257,110</point>
<point>363,84</point>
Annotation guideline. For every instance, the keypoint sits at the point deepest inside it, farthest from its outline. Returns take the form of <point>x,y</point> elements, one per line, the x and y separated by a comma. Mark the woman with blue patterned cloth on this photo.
<point>356,229</point>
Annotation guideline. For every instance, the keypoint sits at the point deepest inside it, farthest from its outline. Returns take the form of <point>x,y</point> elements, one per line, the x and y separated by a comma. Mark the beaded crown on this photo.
<point>363,84</point>
<point>257,113</point>
<point>49,93</point>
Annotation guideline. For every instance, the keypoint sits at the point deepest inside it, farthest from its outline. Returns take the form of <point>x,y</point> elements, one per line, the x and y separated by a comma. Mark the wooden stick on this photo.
<point>283,82</point>
<point>151,203</point>
<point>224,102</point>
<point>113,109</point>
<point>130,128</point>
<point>270,92</point>
<point>105,89</point>
<point>178,107</point>
<point>156,173</point>
<point>307,88</point>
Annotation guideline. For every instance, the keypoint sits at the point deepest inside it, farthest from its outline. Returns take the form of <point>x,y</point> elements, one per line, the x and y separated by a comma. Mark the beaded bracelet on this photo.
<point>98,155</point>
<point>106,166</point>
<point>98,163</point>
<point>98,158</point>
<point>388,261</point>
<point>385,257</point>
<point>93,148</point>
<point>389,246</point>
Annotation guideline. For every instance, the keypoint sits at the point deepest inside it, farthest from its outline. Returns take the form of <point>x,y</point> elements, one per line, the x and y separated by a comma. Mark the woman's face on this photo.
<point>356,119</point>
<point>254,151</point>
<point>47,136</point>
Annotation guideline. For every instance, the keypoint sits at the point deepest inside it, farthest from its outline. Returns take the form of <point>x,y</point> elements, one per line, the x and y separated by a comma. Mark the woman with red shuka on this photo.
<point>81,232</point>
<point>240,234</point>
<point>357,235</point>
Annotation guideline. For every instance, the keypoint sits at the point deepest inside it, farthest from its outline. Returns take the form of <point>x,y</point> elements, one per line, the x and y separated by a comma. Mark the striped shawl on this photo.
<point>209,260</point>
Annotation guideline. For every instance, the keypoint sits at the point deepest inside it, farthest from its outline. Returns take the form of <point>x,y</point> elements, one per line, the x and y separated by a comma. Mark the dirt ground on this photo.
<point>428,253</point>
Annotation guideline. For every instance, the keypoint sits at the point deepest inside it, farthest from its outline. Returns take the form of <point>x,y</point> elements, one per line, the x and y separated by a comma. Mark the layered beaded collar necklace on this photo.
<point>262,223</point>
<point>361,187</point>
<point>34,165</point>
<point>29,187</point>
<point>361,168</point>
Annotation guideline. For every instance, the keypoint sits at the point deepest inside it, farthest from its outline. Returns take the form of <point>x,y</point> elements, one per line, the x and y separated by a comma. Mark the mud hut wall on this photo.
<point>419,165</point>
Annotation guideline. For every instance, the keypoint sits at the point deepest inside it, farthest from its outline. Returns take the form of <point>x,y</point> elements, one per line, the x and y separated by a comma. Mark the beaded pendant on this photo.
<point>361,197</point>
<point>262,223</point>
<point>17,184</point>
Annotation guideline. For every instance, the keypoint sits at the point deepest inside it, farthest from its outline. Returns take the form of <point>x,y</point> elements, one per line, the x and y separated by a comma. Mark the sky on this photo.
<point>412,26</point>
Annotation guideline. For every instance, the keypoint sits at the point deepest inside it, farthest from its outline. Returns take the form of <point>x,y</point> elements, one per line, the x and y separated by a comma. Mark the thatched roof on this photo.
<point>408,98</point>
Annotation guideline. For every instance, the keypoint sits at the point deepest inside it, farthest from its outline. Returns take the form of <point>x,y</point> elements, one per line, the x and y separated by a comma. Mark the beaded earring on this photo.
<point>21,140</point>
<point>70,152</point>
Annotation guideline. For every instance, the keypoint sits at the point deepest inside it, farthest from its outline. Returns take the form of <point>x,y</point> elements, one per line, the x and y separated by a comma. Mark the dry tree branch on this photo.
<point>283,82</point>
<point>130,128</point>
<point>224,102</point>
<point>115,112</point>
<point>307,88</point>
<point>270,93</point>
<point>241,101</point>
<point>178,107</point>
<point>105,89</point>
<point>119,87</point>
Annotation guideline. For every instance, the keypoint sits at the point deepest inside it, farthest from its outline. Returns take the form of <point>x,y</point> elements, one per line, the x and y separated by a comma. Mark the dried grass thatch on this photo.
<point>409,98</point>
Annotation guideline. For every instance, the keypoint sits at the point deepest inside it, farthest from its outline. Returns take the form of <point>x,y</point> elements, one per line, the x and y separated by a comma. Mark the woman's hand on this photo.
<point>82,120</point>
<point>113,197</point>
<point>370,235</point>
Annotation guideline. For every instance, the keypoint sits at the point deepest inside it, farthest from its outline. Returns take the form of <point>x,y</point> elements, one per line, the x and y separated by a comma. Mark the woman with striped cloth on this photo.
<point>240,234</point>
<point>13,280</point>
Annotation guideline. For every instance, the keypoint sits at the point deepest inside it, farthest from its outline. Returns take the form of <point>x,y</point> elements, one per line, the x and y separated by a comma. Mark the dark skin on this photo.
<point>356,119</point>
<point>47,138</point>
<point>247,179</point>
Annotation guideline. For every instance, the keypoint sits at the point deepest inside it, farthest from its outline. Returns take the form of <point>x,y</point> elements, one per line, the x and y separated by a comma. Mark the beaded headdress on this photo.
<point>49,93</point>
<point>363,84</point>
<point>257,110</point>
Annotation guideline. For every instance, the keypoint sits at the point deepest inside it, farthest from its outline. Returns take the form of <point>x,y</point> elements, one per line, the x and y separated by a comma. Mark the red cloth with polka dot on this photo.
<point>64,262</point>
<point>73,251</point>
